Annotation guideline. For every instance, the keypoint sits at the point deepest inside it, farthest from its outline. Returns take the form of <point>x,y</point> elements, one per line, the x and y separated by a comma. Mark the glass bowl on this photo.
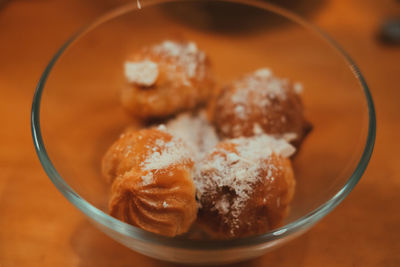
<point>76,113</point>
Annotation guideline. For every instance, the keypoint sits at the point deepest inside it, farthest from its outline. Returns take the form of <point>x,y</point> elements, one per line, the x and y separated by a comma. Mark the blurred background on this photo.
<point>39,227</point>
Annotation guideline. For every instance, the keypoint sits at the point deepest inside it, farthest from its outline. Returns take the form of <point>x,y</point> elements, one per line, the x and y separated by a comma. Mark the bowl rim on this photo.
<point>124,229</point>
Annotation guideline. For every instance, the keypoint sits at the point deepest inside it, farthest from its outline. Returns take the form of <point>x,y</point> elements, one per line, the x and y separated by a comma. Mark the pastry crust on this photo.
<point>260,103</point>
<point>152,185</point>
<point>166,78</point>
<point>241,194</point>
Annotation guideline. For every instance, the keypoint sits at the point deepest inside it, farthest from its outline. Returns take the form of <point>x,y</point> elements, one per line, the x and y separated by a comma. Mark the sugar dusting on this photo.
<point>238,170</point>
<point>261,83</point>
<point>162,155</point>
<point>223,205</point>
<point>196,131</point>
<point>263,73</point>
<point>259,88</point>
<point>143,73</point>
<point>185,54</point>
<point>298,88</point>
<point>257,129</point>
<point>288,137</point>
<point>147,179</point>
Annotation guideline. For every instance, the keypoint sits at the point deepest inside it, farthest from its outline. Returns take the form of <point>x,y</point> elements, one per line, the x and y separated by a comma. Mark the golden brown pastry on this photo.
<point>166,78</point>
<point>244,186</point>
<point>152,181</point>
<point>260,103</point>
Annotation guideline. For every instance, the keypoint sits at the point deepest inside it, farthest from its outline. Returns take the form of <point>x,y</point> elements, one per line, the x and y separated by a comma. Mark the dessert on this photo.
<point>166,78</point>
<point>244,186</point>
<point>152,185</point>
<point>196,131</point>
<point>221,173</point>
<point>258,103</point>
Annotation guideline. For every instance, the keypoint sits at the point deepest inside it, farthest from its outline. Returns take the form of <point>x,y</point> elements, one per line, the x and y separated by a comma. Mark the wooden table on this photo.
<point>39,227</point>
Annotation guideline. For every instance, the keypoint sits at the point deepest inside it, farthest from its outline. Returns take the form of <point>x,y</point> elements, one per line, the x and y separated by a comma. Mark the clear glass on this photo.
<point>76,113</point>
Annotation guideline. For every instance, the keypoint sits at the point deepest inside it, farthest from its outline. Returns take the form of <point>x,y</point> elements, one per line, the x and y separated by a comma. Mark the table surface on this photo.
<point>363,231</point>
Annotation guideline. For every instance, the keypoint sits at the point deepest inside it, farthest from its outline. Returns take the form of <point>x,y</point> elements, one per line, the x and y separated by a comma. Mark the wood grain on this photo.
<point>39,227</point>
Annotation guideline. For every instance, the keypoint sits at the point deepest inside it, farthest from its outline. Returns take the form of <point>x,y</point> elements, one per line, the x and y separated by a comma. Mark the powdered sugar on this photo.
<point>238,170</point>
<point>169,47</point>
<point>298,88</point>
<point>240,111</point>
<point>257,129</point>
<point>261,85</point>
<point>263,73</point>
<point>262,145</point>
<point>223,205</point>
<point>289,137</point>
<point>171,152</point>
<point>161,127</point>
<point>143,73</point>
<point>163,155</point>
<point>185,54</point>
<point>196,131</point>
<point>147,179</point>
